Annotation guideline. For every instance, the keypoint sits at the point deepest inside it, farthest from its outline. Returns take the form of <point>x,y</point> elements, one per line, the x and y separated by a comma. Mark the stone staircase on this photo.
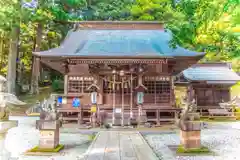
<point>126,121</point>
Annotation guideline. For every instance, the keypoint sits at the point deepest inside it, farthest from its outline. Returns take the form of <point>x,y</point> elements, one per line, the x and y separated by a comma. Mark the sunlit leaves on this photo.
<point>160,10</point>
<point>107,10</point>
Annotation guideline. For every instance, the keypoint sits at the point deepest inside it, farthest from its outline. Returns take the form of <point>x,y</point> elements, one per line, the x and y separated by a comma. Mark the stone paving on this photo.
<point>222,138</point>
<point>120,145</point>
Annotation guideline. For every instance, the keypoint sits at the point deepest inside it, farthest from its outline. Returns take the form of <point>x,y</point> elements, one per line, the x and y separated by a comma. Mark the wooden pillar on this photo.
<point>158,117</point>
<point>172,95</point>
<point>100,92</point>
<point>131,96</point>
<point>80,120</point>
<point>65,84</point>
<point>114,97</point>
<point>176,115</point>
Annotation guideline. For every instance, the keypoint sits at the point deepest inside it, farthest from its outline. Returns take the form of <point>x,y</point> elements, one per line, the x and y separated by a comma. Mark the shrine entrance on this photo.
<point>118,92</point>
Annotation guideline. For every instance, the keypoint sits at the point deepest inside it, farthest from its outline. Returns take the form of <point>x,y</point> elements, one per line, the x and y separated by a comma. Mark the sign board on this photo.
<point>118,110</point>
<point>76,102</point>
<point>59,100</point>
<point>94,109</point>
<point>140,96</point>
<point>94,97</point>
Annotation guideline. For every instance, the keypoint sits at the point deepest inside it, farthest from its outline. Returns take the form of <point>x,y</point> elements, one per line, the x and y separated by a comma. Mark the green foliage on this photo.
<point>149,10</point>
<point>107,10</point>
<point>57,85</point>
<point>206,27</point>
<point>211,26</point>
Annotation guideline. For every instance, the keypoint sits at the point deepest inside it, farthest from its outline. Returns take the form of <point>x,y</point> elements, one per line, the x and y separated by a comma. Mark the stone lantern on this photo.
<point>5,123</point>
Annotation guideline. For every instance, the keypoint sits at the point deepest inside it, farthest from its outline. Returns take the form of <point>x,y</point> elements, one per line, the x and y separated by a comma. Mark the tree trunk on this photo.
<point>12,57</point>
<point>1,49</point>
<point>36,61</point>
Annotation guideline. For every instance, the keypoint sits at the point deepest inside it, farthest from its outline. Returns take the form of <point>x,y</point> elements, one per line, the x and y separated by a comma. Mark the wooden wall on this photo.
<point>155,72</point>
<point>211,95</point>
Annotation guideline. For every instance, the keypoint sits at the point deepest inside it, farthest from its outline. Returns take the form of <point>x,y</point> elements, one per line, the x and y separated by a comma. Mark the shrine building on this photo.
<point>129,66</point>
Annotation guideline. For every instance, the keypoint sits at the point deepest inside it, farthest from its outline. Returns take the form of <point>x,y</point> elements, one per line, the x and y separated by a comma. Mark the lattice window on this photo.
<point>159,87</point>
<point>79,84</point>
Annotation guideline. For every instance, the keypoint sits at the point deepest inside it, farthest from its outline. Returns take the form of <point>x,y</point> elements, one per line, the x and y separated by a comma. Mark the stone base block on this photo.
<point>49,139</point>
<point>190,139</point>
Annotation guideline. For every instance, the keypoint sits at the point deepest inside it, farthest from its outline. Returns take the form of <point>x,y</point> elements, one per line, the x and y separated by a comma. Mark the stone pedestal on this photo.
<point>49,133</point>
<point>190,135</point>
<point>4,127</point>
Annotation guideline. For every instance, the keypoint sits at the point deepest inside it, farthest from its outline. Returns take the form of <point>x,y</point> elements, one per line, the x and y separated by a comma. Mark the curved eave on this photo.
<point>198,56</point>
<point>212,81</point>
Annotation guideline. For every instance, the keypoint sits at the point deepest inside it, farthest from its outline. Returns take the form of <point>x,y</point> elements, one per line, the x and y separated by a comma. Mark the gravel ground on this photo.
<point>222,138</point>
<point>25,137</point>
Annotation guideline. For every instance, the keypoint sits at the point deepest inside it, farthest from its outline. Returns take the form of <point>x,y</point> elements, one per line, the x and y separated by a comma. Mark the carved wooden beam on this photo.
<point>119,61</point>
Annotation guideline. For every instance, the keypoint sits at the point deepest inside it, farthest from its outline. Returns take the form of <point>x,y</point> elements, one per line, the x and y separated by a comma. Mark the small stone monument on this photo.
<point>49,134</point>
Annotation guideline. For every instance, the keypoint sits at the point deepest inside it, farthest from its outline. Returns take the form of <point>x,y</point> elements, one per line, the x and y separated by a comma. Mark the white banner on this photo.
<point>94,97</point>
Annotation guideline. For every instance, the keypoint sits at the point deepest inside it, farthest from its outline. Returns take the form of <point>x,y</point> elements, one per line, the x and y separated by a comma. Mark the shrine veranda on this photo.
<point>128,69</point>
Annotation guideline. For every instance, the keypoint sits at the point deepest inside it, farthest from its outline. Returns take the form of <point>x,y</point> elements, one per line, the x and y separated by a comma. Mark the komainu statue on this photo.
<point>47,110</point>
<point>189,113</point>
<point>190,129</point>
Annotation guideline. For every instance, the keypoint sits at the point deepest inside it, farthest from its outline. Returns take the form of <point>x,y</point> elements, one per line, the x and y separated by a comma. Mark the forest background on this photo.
<point>212,26</point>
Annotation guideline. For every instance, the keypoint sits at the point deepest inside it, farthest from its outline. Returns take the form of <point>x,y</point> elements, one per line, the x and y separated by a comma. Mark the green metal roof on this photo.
<point>116,43</point>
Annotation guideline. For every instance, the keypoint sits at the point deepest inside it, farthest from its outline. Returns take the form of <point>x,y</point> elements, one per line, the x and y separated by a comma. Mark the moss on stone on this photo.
<point>202,150</point>
<point>54,150</point>
<point>91,137</point>
<point>218,119</point>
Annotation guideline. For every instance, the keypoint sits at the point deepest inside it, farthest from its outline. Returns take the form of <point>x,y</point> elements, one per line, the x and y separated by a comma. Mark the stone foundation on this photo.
<point>190,139</point>
<point>190,135</point>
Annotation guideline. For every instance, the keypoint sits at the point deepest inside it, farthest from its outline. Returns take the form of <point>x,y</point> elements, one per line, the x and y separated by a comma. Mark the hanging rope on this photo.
<point>117,82</point>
